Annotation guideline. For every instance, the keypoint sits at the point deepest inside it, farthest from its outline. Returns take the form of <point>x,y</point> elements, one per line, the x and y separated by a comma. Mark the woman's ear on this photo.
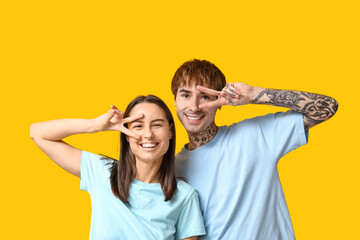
<point>171,133</point>
<point>127,138</point>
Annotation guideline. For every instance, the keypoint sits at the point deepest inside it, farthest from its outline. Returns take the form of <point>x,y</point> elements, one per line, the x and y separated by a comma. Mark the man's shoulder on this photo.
<point>184,186</point>
<point>184,189</point>
<point>264,118</point>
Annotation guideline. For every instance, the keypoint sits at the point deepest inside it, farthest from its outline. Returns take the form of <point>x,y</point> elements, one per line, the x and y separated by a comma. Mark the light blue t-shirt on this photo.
<point>237,180</point>
<point>148,216</point>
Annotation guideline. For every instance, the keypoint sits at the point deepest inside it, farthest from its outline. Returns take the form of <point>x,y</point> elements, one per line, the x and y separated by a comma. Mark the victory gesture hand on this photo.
<point>114,121</point>
<point>232,94</point>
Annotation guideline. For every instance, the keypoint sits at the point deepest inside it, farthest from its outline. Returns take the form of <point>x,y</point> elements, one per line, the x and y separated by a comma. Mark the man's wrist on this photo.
<point>255,92</point>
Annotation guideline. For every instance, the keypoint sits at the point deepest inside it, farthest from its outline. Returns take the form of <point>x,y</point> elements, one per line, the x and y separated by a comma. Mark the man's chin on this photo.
<point>193,129</point>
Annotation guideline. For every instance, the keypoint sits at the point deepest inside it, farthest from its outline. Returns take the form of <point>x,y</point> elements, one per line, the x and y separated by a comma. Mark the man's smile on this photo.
<point>194,118</point>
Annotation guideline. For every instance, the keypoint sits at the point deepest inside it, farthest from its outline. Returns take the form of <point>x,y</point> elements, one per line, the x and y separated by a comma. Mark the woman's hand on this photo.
<point>113,121</point>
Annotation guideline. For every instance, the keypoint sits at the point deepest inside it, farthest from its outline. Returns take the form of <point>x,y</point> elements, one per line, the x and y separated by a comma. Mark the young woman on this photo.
<point>137,197</point>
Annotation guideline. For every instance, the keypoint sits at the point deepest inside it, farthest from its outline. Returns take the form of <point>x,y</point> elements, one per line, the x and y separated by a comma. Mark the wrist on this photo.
<point>93,126</point>
<point>255,93</point>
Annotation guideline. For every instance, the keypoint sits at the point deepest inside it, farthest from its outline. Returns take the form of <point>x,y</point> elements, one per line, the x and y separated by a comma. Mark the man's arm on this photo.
<point>315,108</point>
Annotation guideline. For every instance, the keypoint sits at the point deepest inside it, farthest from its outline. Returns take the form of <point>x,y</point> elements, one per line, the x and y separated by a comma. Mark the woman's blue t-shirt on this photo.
<point>147,216</point>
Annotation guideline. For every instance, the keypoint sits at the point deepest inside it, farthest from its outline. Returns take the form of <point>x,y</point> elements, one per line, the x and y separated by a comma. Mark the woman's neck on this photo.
<point>148,172</point>
<point>201,138</point>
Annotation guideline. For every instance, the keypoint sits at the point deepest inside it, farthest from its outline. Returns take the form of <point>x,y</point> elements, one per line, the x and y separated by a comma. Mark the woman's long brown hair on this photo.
<point>123,172</point>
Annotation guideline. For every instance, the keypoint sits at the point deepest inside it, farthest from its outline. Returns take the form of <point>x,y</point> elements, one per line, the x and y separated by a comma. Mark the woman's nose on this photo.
<point>148,133</point>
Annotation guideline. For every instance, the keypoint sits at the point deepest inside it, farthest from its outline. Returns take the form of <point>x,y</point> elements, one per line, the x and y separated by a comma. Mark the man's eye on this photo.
<point>185,95</point>
<point>205,97</point>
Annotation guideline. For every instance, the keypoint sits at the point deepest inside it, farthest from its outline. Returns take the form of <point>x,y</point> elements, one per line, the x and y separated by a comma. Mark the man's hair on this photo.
<point>198,72</point>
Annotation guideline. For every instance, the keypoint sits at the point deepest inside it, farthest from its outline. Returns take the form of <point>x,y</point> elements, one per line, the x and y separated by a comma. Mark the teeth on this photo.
<point>193,118</point>
<point>148,145</point>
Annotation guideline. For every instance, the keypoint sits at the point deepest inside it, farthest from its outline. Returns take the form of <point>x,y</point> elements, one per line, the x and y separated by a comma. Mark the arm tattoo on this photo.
<point>315,108</point>
<point>283,98</point>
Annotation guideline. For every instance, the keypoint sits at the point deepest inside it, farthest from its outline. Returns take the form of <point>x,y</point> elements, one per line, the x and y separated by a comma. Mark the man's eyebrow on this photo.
<point>184,91</point>
<point>188,91</point>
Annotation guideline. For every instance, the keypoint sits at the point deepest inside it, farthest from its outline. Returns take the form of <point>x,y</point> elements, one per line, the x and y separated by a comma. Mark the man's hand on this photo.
<point>114,121</point>
<point>232,94</point>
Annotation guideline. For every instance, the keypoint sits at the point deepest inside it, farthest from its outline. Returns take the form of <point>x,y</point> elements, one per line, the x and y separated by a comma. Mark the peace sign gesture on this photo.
<point>113,121</point>
<point>232,94</point>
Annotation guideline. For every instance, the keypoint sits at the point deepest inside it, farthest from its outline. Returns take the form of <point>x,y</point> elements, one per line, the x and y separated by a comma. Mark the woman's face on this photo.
<point>154,132</point>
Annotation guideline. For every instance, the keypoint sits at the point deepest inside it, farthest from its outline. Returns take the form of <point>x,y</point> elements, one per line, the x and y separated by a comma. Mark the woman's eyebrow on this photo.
<point>155,120</point>
<point>137,121</point>
<point>159,119</point>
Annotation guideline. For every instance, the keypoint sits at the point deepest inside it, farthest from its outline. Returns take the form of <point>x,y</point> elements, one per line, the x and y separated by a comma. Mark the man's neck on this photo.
<point>203,137</point>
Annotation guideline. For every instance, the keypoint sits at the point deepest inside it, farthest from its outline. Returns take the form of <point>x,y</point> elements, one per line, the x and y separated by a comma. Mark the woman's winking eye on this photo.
<point>137,126</point>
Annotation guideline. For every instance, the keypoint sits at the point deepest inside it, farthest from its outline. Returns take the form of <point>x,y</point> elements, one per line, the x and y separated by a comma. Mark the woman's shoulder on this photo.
<point>96,163</point>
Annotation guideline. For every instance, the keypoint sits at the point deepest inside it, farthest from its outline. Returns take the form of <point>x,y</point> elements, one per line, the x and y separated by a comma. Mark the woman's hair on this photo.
<point>123,172</point>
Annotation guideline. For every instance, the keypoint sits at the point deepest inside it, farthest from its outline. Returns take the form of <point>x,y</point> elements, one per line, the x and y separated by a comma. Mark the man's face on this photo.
<point>187,102</point>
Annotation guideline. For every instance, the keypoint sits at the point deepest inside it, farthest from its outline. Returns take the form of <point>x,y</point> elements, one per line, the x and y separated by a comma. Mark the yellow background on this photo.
<point>73,59</point>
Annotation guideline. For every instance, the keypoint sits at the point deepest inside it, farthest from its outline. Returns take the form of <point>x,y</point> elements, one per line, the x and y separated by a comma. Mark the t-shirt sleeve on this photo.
<point>283,132</point>
<point>190,222</point>
<point>92,170</point>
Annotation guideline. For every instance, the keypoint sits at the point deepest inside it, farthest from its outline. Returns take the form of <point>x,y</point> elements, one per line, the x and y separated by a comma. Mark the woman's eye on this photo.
<point>157,125</point>
<point>137,126</point>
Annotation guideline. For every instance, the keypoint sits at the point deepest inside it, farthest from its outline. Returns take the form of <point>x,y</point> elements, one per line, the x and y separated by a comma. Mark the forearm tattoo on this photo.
<point>315,108</point>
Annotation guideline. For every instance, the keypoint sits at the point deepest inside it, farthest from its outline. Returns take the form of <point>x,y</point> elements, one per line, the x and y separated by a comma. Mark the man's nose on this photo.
<point>194,105</point>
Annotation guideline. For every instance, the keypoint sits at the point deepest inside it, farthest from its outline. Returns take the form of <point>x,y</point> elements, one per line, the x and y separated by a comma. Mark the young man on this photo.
<point>234,168</point>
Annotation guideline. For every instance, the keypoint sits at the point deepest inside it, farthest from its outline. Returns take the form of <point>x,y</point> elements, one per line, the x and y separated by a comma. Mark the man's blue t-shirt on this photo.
<point>237,180</point>
<point>147,217</point>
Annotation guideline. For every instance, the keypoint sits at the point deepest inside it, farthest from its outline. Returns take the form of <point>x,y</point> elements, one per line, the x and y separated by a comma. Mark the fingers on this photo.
<point>228,99</point>
<point>116,111</point>
<point>115,116</point>
<point>231,87</point>
<point>125,130</point>
<point>133,118</point>
<point>214,104</point>
<point>229,93</point>
<point>129,133</point>
<point>109,116</point>
<point>208,90</point>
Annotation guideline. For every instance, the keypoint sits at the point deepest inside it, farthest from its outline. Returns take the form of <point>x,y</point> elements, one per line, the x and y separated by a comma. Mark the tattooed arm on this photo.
<point>315,108</point>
